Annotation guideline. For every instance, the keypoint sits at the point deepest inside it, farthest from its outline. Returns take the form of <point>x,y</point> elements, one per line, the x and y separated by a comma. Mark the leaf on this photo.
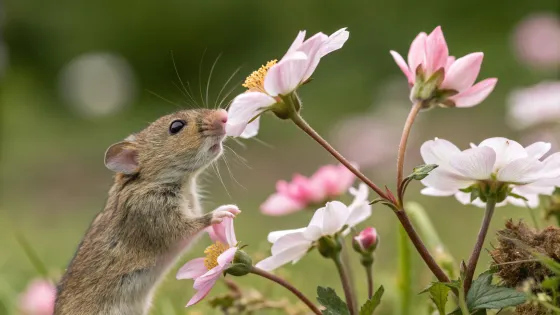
<point>420,172</point>
<point>438,294</point>
<point>369,307</point>
<point>514,195</point>
<point>484,295</point>
<point>333,304</point>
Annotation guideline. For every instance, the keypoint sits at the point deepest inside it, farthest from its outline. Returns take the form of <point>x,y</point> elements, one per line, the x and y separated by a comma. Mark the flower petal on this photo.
<point>245,107</point>
<point>538,149</point>
<point>430,191</point>
<point>358,214</point>
<point>276,235</point>
<point>443,179</point>
<point>226,257</point>
<point>192,269</point>
<point>312,48</point>
<point>403,66</point>
<point>551,166</point>
<point>532,200</point>
<point>280,204</point>
<point>292,254</point>
<point>506,150</point>
<point>202,292</point>
<point>335,41</point>
<point>336,215</point>
<point>285,76</point>
<point>417,52</point>
<point>436,51</point>
<point>475,163</point>
<point>252,129</point>
<point>289,240</point>
<point>438,151</point>
<point>524,170</point>
<point>475,94</point>
<point>296,44</point>
<point>229,231</point>
<point>463,72</point>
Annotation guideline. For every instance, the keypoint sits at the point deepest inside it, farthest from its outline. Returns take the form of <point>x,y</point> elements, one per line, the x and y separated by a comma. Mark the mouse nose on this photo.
<point>221,116</point>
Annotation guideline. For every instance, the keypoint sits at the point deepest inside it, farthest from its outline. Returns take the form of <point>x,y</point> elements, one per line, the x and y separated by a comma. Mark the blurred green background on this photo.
<point>80,75</point>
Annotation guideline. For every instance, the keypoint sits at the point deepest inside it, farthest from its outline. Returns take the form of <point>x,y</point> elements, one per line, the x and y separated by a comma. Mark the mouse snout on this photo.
<point>220,119</point>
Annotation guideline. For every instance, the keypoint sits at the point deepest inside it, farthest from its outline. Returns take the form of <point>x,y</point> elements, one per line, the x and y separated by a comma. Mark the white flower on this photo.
<point>266,85</point>
<point>535,105</point>
<point>292,245</point>
<point>495,161</point>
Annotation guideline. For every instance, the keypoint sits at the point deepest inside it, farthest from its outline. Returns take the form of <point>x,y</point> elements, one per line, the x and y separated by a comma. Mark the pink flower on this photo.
<point>268,87</point>
<point>366,241</point>
<point>328,182</point>
<point>207,270</point>
<point>537,40</point>
<point>38,298</point>
<point>437,77</point>
<point>535,105</point>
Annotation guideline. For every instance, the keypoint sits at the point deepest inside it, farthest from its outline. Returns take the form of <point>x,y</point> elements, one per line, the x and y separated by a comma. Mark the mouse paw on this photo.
<point>226,211</point>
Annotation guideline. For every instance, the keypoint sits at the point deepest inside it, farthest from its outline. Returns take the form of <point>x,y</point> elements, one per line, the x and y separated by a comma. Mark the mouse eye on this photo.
<point>176,126</point>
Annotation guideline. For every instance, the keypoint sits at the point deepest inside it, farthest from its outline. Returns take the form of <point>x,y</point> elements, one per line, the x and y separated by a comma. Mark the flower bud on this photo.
<point>329,246</point>
<point>366,241</point>
<point>241,264</point>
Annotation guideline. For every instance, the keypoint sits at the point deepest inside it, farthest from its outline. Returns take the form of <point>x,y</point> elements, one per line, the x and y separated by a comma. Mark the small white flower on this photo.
<point>267,84</point>
<point>495,161</point>
<point>292,245</point>
<point>535,105</point>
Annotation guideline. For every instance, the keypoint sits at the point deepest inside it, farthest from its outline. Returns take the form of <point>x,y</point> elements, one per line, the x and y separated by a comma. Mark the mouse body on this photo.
<point>151,216</point>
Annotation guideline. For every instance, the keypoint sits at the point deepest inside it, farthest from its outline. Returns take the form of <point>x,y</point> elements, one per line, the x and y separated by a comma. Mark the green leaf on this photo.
<point>369,307</point>
<point>517,196</point>
<point>438,294</point>
<point>333,304</point>
<point>420,172</point>
<point>484,295</point>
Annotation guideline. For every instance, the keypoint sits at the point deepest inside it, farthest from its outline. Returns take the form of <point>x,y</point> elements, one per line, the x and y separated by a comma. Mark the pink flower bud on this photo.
<point>366,241</point>
<point>38,299</point>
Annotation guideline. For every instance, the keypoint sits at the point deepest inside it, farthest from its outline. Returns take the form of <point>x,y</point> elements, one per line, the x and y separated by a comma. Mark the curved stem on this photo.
<point>346,262</point>
<point>345,284</point>
<point>369,273</point>
<point>288,286</point>
<point>473,260</point>
<point>303,125</point>
<point>402,146</point>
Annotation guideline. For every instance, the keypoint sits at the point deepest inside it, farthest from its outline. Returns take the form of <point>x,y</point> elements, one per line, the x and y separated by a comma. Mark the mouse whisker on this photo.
<point>210,78</point>
<point>231,173</point>
<point>163,98</point>
<point>218,105</point>
<point>217,168</point>
<point>228,94</point>
<point>184,90</point>
<point>200,65</point>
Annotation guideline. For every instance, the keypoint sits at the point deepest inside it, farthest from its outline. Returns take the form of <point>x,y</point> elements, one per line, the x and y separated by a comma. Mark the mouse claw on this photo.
<point>233,209</point>
<point>226,211</point>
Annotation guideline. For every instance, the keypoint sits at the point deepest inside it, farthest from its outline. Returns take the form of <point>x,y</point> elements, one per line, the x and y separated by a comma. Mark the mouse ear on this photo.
<point>122,157</point>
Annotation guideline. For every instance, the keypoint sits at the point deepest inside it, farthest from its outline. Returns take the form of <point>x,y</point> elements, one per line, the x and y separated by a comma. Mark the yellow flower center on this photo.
<point>212,253</point>
<point>255,81</point>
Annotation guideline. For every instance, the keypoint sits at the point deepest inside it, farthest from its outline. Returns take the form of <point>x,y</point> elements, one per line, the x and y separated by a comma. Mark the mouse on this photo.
<point>152,215</point>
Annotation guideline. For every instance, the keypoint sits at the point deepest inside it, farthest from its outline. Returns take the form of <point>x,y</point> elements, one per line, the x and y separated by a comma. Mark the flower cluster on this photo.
<point>38,298</point>
<point>329,182</point>
<point>496,166</point>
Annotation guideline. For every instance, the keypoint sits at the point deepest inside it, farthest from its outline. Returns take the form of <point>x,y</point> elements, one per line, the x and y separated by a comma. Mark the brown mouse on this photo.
<point>152,214</point>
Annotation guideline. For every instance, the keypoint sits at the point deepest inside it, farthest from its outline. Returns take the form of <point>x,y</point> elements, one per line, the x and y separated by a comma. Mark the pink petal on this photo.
<point>279,204</point>
<point>436,51</point>
<point>463,72</point>
<point>475,163</point>
<point>450,61</point>
<point>226,257</point>
<point>312,48</point>
<point>192,269</point>
<point>202,292</point>
<point>296,44</point>
<point>417,52</point>
<point>403,66</point>
<point>538,149</point>
<point>474,95</point>
<point>335,41</point>
<point>252,129</point>
<point>38,298</point>
<point>245,107</point>
<point>285,76</point>
<point>229,231</point>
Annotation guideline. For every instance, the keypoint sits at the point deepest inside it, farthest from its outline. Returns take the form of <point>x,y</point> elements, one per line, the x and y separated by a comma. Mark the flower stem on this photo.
<point>345,284</point>
<point>403,218</point>
<point>462,300</point>
<point>473,260</point>
<point>369,273</point>
<point>346,262</point>
<point>402,146</point>
<point>404,278</point>
<point>288,286</point>
<point>303,125</point>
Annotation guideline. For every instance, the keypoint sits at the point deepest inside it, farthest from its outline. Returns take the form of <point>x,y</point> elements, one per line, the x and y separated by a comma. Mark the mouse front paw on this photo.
<point>225,211</point>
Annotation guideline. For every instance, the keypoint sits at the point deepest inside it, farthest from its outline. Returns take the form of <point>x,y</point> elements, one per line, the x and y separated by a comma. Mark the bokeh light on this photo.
<point>537,40</point>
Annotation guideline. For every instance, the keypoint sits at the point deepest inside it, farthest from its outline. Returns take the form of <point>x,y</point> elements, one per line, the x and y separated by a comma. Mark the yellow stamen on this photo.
<point>212,253</point>
<point>255,81</point>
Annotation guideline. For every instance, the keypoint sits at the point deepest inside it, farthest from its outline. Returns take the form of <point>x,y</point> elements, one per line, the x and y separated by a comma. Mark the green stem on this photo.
<point>369,273</point>
<point>405,270</point>
<point>350,302</point>
<point>285,284</point>
<point>346,261</point>
<point>475,255</point>
<point>462,300</point>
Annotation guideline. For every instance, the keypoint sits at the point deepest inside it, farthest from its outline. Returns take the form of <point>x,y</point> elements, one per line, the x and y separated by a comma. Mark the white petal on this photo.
<point>506,150</point>
<point>245,107</point>
<point>314,230</point>
<point>285,76</point>
<point>360,195</point>
<point>252,129</point>
<point>430,191</point>
<point>335,41</point>
<point>293,254</point>
<point>551,166</point>
<point>358,214</point>
<point>532,200</point>
<point>445,180</point>
<point>538,149</point>
<point>540,187</point>
<point>288,241</point>
<point>336,215</point>
<point>438,151</point>
<point>274,236</point>
<point>475,163</point>
<point>523,170</point>
<point>296,44</point>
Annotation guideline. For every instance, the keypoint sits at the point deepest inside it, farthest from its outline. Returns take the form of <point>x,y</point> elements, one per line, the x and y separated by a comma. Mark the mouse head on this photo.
<point>173,146</point>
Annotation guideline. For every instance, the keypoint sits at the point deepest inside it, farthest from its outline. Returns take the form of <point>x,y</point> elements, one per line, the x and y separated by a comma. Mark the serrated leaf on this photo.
<point>484,295</point>
<point>369,307</point>
<point>438,294</point>
<point>420,172</point>
<point>334,305</point>
<point>551,283</point>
